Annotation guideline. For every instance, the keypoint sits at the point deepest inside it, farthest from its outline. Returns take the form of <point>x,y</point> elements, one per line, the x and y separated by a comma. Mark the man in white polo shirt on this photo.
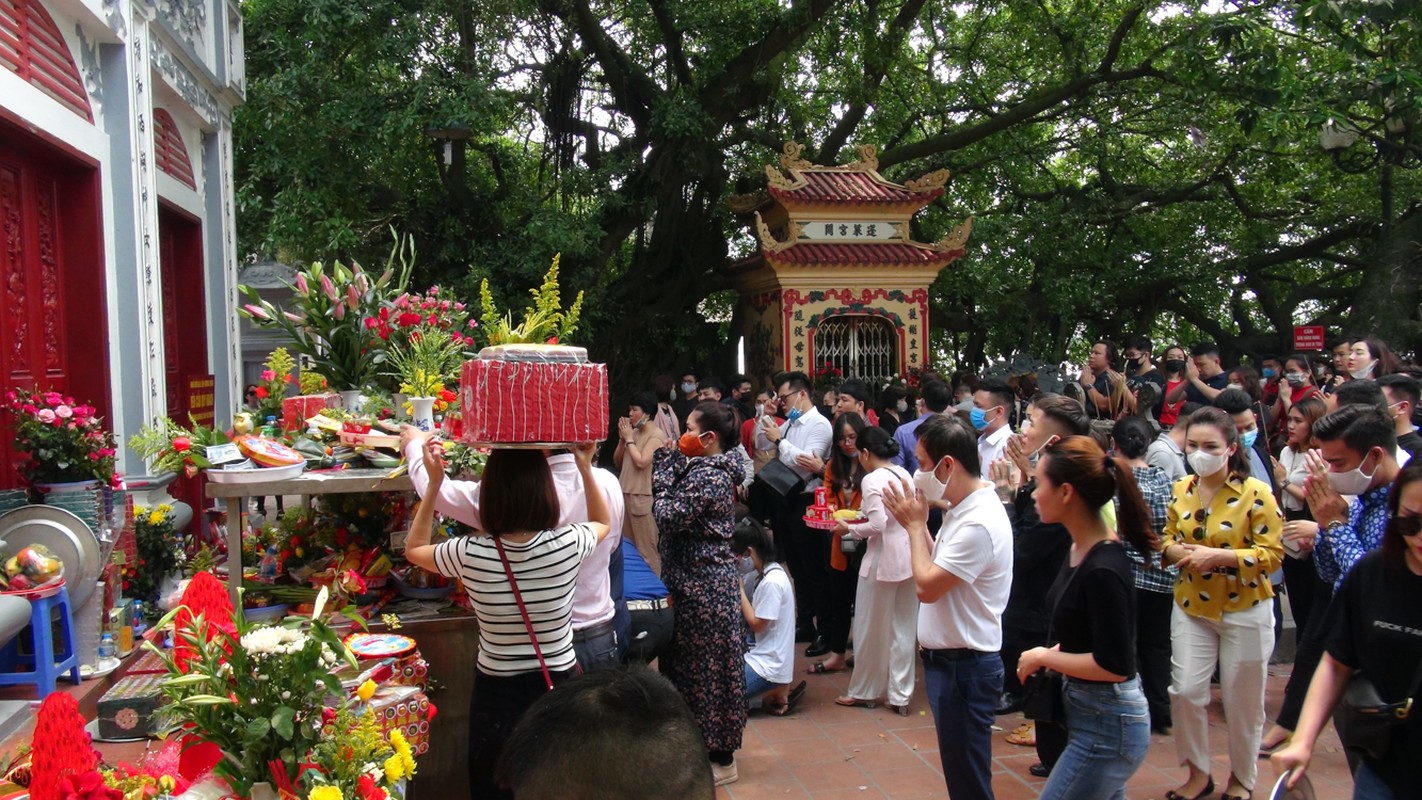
<point>963,579</point>
<point>991,402</point>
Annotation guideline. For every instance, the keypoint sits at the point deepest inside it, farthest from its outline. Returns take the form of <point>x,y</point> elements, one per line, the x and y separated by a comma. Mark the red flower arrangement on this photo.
<point>65,441</point>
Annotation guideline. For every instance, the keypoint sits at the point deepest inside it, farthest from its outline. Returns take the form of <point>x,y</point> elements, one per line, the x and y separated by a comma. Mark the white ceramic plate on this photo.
<point>1303,790</point>
<point>259,475</point>
<point>93,730</point>
<point>66,536</point>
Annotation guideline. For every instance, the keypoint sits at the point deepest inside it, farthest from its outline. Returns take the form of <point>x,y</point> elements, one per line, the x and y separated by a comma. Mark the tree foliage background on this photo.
<point>1133,166</point>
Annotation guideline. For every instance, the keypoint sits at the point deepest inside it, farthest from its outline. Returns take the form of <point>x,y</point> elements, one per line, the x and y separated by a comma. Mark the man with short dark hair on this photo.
<point>1204,377</point>
<point>963,578</point>
<point>937,397</point>
<point>1104,386</point>
<point>992,403</point>
<point>854,397</point>
<point>1140,370</point>
<point>710,391</point>
<point>1402,394</point>
<point>623,733</point>
<point>1338,349</point>
<point>1271,369</point>
<point>742,395</point>
<point>1237,404</point>
<point>1355,456</point>
<point>686,397</point>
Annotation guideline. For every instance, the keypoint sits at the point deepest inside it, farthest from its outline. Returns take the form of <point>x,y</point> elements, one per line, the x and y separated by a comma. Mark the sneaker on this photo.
<point>726,774</point>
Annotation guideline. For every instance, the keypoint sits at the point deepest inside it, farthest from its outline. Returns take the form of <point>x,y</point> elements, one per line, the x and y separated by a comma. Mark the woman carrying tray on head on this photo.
<point>693,490</point>
<point>520,579</point>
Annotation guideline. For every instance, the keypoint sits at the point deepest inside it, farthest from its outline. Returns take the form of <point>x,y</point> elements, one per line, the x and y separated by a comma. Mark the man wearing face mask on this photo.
<point>989,418</point>
<point>686,397</point>
<point>1140,369</point>
<point>1240,408</point>
<point>1038,549</point>
<point>963,579</point>
<point>1272,371</point>
<point>1355,456</point>
<point>805,433</point>
<point>1401,392</point>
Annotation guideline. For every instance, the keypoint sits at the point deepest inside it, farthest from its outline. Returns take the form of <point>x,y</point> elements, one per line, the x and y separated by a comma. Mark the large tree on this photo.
<point>1133,165</point>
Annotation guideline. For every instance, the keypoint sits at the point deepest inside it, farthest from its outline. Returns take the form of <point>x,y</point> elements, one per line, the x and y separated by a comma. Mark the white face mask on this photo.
<point>1206,464</point>
<point>760,409</point>
<point>1352,482</point>
<point>902,406</point>
<point>1235,386</point>
<point>745,564</point>
<point>687,389</point>
<point>1364,372</point>
<point>928,483</point>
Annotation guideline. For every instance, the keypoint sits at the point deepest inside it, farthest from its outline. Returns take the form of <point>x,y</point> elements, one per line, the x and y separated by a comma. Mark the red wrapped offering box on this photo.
<point>296,410</point>
<point>530,393</point>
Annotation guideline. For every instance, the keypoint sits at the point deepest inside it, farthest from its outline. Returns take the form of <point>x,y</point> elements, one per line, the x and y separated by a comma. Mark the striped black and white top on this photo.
<point>545,567</point>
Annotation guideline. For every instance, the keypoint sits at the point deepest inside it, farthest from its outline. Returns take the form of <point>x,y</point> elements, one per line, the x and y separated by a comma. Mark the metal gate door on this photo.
<point>860,346</point>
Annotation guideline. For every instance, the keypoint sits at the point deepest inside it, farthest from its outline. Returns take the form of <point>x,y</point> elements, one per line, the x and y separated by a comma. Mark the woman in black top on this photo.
<point>1375,626</point>
<point>1093,620</point>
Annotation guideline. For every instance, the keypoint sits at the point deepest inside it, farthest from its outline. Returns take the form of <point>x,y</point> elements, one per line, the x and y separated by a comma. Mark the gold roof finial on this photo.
<point>936,179</point>
<point>790,159</point>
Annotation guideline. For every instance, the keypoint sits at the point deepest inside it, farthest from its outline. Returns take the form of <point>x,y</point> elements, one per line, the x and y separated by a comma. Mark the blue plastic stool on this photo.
<point>47,658</point>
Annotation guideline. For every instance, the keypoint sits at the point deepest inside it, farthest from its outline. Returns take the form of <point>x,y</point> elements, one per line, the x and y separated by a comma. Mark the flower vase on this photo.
<point>350,399</point>
<point>422,409</point>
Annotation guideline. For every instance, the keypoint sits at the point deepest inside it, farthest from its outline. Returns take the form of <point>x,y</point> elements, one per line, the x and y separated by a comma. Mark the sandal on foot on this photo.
<point>902,710</point>
<point>854,702</point>
<point>1024,735</point>
<point>819,668</point>
<point>1267,750</point>
<point>1208,790</point>
<point>797,692</point>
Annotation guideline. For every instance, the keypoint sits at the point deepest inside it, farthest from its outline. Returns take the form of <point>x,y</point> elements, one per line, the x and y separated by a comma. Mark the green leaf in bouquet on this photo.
<point>283,722</point>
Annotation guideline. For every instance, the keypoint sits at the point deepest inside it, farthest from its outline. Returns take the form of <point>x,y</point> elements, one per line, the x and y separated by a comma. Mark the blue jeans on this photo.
<point>963,695</point>
<point>1368,786</point>
<point>756,686</point>
<point>1108,732</point>
<point>597,652</point>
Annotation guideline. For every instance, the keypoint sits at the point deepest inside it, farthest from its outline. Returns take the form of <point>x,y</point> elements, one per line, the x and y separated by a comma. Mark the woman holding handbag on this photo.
<point>1093,620</point>
<point>519,574</point>
<point>886,601</point>
<point>1374,637</point>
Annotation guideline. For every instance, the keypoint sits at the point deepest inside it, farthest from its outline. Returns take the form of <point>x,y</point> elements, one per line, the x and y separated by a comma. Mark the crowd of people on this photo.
<point>1094,557</point>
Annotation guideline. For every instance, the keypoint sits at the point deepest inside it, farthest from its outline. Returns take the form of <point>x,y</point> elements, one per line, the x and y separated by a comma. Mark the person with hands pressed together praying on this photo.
<point>1223,532</point>
<point>1105,388</point>
<point>519,572</point>
<point>962,578</point>
<point>1355,457</point>
<point>638,437</point>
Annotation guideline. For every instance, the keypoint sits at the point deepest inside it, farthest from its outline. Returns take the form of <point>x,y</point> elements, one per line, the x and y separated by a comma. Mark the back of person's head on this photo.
<point>937,396</point>
<point>879,442</point>
<point>1360,427</point>
<point>1188,408</point>
<point>798,382</point>
<point>1206,348</point>
<point>944,435</point>
<point>1248,378</point>
<point>1077,461</point>
<point>1001,393</point>
<point>645,401</point>
<point>1132,436</point>
<point>663,387</point>
<point>1066,416</point>
<point>857,389</point>
<point>1360,393</point>
<point>517,493</point>
<point>720,419</point>
<point>1233,401</point>
<point>1028,385</point>
<point>1216,418</point>
<point>609,734</point>
<point>1394,545</point>
<point>1147,395</point>
<point>750,533</point>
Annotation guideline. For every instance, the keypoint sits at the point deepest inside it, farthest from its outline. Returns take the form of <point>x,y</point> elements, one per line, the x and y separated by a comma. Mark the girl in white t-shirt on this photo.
<point>770,664</point>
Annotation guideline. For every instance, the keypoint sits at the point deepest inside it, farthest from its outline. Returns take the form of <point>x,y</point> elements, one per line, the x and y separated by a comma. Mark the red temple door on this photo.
<point>184,307</point>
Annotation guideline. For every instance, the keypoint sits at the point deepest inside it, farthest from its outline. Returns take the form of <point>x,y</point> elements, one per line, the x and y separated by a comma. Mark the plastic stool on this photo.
<point>46,657</point>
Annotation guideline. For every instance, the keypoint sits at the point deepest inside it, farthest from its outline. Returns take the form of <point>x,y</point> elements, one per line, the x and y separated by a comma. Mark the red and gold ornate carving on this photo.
<point>49,277</point>
<point>14,266</point>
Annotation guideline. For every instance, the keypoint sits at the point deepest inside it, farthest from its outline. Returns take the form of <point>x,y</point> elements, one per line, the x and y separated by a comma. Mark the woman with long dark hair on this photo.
<point>519,573</point>
<point>1369,358</point>
<point>1373,621</point>
<point>1296,386</point>
<point>693,491</point>
<point>1223,531</point>
<point>1093,619</point>
<point>886,601</point>
<point>843,474</point>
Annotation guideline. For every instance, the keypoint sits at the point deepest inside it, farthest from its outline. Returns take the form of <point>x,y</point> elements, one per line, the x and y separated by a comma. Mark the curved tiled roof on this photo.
<point>850,187</point>
<point>888,253</point>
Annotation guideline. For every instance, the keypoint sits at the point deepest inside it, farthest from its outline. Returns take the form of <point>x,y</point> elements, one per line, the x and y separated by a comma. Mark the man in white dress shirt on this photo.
<point>991,403</point>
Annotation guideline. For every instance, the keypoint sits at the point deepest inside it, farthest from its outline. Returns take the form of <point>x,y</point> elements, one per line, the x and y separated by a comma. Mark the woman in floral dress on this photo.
<point>693,488</point>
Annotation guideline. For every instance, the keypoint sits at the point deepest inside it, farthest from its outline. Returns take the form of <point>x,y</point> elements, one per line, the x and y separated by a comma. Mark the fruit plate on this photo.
<point>49,588</point>
<point>260,475</point>
<point>819,524</point>
<point>67,537</point>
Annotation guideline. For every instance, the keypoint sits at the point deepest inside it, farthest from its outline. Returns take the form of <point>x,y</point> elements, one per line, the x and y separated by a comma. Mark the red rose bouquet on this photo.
<point>65,441</point>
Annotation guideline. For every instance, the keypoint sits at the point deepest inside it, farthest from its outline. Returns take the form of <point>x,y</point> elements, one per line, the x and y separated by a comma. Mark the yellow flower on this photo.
<point>165,508</point>
<point>155,518</point>
<point>402,751</point>
<point>325,793</point>
<point>365,691</point>
<point>394,770</point>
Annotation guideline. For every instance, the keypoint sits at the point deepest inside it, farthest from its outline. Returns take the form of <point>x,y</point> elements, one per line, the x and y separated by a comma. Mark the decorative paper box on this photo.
<point>406,708</point>
<point>533,394</point>
<point>296,410</point>
<point>127,709</point>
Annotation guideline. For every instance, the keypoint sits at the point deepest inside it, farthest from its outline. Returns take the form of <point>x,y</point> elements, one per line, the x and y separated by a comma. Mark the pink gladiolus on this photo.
<point>330,289</point>
<point>257,311</point>
<point>444,305</point>
<point>11,396</point>
<point>402,301</point>
<point>301,284</point>
<point>268,375</point>
<point>473,323</point>
<point>73,426</point>
<point>64,412</point>
<point>46,415</point>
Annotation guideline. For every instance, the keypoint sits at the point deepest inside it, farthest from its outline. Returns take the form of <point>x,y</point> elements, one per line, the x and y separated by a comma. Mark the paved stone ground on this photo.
<point>825,751</point>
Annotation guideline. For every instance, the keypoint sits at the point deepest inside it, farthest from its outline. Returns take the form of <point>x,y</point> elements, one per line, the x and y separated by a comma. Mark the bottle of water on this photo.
<point>107,648</point>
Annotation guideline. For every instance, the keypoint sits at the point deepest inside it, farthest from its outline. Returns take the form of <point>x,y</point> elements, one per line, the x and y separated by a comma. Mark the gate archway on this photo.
<point>860,345</point>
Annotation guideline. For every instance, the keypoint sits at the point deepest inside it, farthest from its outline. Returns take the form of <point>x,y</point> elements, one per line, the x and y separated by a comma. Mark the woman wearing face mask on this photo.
<point>638,438</point>
<point>843,475</point>
<point>1296,385</point>
<point>1174,368</point>
<point>886,602</point>
<point>893,409</point>
<point>693,490</point>
<point>770,663</point>
<point>1223,532</point>
<point>1370,359</point>
<point>1093,620</point>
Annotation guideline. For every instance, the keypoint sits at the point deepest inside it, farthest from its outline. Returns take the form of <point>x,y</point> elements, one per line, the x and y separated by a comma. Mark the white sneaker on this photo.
<point>726,774</point>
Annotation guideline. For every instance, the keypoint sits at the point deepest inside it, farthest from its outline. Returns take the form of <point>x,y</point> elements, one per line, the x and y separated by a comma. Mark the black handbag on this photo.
<point>780,479</point>
<point>1365,721</point>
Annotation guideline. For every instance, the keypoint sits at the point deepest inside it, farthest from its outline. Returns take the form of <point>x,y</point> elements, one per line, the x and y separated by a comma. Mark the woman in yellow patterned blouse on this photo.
<point>1223,530</point>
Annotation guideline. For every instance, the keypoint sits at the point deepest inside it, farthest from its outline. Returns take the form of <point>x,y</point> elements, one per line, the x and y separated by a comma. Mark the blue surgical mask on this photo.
<point>978,418</point>
<point>1247,438</point>
<point>793,415</point>
<point>1270,372</point>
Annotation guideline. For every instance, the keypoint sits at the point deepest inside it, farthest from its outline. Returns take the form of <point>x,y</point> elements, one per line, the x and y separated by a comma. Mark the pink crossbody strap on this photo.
<point>523,612</point>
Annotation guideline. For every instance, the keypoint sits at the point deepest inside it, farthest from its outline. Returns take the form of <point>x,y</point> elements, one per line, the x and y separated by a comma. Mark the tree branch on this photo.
<point>671,38</point>
<point>882,46</point>
<point>726,94</point>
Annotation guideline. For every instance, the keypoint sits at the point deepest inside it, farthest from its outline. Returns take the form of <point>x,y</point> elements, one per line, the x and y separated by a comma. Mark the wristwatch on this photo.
<point>1334,525</point>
